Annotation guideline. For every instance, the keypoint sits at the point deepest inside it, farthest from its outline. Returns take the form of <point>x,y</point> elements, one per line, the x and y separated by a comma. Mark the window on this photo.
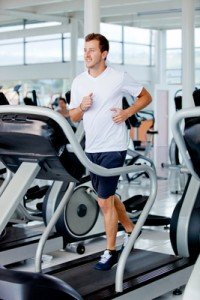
<point>197,55</point>
<point>11,52</point>
<point>136,35</point>
<point>197,58</point>
<point>80,49</point>
<point>173,76</point>
<point>67,49</point>
<point>112,32</point>
<point>115,53</point>
<point>197,76</point>
<point>43,49</point>
<point>136,54</point>
<point>173,38</point>
<point>173,56</point>
<point>174,59</point>
<point>137,48</point>
<point>127,45</point>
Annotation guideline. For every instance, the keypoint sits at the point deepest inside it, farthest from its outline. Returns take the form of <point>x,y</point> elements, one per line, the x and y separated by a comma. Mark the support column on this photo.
<point>74,47</point>
<point>161,58</point>
<point>188,70</point>
<point>91,16</point>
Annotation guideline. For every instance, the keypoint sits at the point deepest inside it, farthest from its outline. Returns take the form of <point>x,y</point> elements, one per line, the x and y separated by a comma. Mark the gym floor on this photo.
<point>154,238</point>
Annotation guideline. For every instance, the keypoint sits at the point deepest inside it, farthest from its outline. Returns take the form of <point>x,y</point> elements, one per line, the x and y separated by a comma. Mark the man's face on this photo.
<point>92,54</point>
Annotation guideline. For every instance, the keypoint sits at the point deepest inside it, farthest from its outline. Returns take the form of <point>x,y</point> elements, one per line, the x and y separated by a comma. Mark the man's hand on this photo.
<point>119,115</point>
<point>86,102</point>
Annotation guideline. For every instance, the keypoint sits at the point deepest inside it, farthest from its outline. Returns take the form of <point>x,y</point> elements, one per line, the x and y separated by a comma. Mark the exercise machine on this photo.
<point>139,273</point>
<point>17,240</point>
<point>178,174</point>
<point>189,213</point>
<point>43,154</point>
<point>185,224</point>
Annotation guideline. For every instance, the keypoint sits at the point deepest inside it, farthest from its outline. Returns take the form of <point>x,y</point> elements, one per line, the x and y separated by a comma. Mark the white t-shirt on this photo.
<point>102,134</point>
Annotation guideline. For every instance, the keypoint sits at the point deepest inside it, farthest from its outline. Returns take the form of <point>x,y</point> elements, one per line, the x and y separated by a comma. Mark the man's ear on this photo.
<point>104,55</point>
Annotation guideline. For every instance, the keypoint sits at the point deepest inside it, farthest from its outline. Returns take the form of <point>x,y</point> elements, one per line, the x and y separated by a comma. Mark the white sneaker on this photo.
<point>108,260</point>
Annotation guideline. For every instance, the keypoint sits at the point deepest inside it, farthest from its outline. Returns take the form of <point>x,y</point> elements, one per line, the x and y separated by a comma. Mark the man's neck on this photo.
<point>95,72</point>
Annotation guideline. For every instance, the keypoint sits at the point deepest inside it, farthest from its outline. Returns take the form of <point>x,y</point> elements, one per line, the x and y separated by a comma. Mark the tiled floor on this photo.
<point>153,238</point>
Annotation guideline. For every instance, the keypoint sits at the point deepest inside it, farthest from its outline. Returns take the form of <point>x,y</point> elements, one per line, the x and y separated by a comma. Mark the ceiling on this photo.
<point>155,14</point>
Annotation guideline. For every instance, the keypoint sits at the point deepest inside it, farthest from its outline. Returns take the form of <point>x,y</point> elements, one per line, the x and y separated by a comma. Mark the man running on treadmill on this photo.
<point>96,97</point>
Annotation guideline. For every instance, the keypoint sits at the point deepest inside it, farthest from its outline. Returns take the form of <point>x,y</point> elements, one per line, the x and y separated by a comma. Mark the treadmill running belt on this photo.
<point>142,266</point>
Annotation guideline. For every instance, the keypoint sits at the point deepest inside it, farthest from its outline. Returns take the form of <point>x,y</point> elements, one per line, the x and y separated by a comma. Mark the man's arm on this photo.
<point>143,99</point>
<point>121,115</point>
<point>76,114</point>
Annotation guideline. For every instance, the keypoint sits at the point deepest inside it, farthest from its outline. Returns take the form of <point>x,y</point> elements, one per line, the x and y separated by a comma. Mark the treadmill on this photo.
<point>139,273</point>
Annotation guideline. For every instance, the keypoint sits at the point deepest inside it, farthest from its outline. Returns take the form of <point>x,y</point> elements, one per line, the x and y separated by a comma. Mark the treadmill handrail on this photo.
<point>178,117</point>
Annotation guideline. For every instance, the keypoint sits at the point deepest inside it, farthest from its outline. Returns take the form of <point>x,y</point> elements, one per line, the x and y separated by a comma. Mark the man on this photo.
<point>96,97</point>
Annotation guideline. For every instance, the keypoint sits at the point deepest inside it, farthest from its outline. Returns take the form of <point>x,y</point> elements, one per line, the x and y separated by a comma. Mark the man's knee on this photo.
<point>106,204</point>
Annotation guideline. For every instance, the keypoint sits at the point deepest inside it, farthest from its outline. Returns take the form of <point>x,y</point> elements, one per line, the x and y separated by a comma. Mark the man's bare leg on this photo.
<point>110,220</point>
<point>122,215</point>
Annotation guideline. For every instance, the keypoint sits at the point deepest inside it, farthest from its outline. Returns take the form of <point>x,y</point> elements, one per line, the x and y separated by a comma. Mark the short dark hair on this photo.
<point>103,42</point>
<point>61,99</point>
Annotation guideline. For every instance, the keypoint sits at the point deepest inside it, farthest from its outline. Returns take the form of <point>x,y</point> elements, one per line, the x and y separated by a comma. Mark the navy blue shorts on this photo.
<point>106,186</point>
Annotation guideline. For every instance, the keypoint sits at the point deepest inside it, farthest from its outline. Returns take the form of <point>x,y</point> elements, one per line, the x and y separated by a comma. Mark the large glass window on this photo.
<point>137,42</point>
<point>115,53</point>
<point>173,38</point>
<point>197,58</point>
<point>136,35</point>
<point>197,76</point>
<point>136,54</point>
<point>67,49</point>
<point>11,52</point>
<point>197,39</point>
<point>197,55</point>
<point>173,56</point>
<point>127,45</point>
<point>112,32</point>
<point>173,76</point>
<point>153,45</point>
<point>174,59</point>
<point>43,49</point>
<point>80,49</point>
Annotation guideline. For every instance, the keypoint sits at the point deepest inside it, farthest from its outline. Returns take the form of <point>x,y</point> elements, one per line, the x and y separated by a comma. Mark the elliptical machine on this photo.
<point>185,225</point>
